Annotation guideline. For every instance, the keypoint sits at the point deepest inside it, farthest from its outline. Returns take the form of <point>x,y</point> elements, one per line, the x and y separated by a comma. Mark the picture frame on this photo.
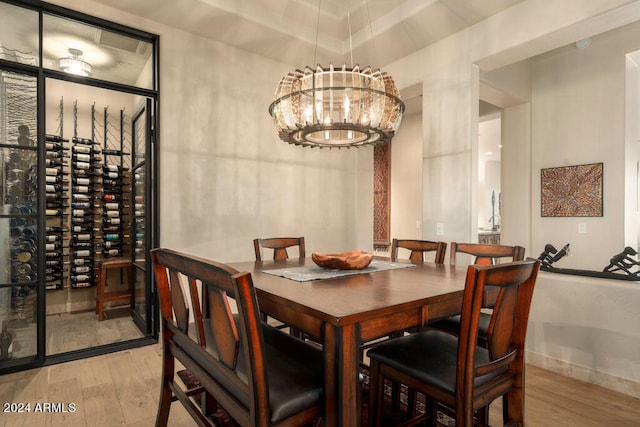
<point>572,191</point>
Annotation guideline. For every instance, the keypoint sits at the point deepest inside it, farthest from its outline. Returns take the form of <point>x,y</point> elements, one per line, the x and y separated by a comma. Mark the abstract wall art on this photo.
<point>572,191</point>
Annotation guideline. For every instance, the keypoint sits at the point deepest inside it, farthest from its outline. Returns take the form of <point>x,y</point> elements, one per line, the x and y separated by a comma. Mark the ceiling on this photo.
<point>377,32</point>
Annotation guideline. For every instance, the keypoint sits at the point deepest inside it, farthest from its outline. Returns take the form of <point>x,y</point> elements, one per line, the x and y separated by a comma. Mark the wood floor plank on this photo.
<point>122,389</point>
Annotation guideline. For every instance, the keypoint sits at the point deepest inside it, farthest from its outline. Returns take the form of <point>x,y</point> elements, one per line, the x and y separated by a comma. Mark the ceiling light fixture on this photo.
<point>336,107</point>
<point>74,64</point>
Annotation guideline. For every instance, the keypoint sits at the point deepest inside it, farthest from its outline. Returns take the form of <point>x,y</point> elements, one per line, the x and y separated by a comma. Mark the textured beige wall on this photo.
<point>225,177</point>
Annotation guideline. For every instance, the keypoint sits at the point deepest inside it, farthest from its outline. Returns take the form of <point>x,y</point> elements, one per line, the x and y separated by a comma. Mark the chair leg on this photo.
<point>375,394</point>
<point>483,417</point>
<point>166,395</point>
<point>102,282</point>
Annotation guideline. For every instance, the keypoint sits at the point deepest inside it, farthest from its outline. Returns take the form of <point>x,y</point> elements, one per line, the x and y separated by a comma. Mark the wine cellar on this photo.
<point>76,197</point>
<point>88,200</point>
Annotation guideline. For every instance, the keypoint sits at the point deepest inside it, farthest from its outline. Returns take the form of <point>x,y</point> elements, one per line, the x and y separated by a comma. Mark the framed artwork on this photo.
<point>572,191</point>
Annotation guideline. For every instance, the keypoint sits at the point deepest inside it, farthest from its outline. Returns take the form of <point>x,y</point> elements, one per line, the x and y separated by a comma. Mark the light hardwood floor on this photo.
<point>122,389</point>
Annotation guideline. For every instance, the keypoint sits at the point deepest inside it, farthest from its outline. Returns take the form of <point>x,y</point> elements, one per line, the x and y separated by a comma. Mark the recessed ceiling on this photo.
<point>382,31</point>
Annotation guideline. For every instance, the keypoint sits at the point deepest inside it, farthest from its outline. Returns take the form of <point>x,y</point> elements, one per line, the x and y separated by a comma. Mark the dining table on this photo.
<point>343,309</point>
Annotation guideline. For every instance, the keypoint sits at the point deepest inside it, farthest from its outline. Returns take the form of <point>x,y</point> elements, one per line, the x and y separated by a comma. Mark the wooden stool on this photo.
<point>102,296</point>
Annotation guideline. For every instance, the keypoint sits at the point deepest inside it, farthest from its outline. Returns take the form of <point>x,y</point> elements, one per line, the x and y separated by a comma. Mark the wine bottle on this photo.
<point>56,154</point>
<point>52,171</point>
<point>81,245</point>
<point>52,246</point>
<point>111,252</point>
<point>84,149</point>
<point>83,141</point>
<point>53,212</point>
<point>115,168</point>
<point>81,181</point>
<point>113,221</point>
<point>109,152</point>
<point>82,157</point>
<point>49,229</point>
<point>81,229</point>
<point>81,237</point>
<point>114,198</point>
<point>52,163</point>
<point>54,138</point>
<point>111,245</point>
<point>82,253</point>
<point>111,175</point>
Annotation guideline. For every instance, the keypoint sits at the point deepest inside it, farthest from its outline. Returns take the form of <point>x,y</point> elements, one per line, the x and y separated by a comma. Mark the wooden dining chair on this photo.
<point>482,255</point>
<point>260,375</point>
<point>453,370</point>
<point>486,254</point>
<point>279,245</point>
<point>418,249</point>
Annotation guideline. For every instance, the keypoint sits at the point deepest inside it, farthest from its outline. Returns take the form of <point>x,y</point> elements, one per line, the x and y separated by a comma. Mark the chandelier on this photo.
<point>336,107</point>
<point>74,64</point>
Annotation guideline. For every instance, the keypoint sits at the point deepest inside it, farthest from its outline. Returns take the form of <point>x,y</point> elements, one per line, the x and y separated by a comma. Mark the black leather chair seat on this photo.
<point>295,369</point>
<point>452,325</point>
<point>430,356</point>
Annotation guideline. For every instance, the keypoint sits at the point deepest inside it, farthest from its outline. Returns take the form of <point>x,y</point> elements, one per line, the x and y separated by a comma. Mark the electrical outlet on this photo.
<point>417,223</point>
<point>582,227</point>
<point>439,229</point>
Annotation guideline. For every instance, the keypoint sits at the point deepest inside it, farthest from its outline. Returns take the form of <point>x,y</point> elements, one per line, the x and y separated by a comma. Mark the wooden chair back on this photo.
<point>418,249</point>
<point>506,334</point>
<point>279,246</point>
<point>223,351</point>
<point>486,254</point>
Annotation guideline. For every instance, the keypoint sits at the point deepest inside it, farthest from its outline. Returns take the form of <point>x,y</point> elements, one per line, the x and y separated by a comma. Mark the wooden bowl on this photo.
<point>353,260</point>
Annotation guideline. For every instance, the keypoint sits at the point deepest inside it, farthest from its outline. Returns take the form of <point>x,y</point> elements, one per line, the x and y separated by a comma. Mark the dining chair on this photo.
<point>260,375</point>
<point>279,245</point>
<point>486,254</point>
<point>418,249</point>
<point>483,255</point>
<point>453,370</point>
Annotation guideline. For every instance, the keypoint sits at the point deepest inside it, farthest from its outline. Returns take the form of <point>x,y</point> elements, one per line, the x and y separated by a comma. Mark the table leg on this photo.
<point>341,370</point>
<point>349,382</point>
<point>330,376</point>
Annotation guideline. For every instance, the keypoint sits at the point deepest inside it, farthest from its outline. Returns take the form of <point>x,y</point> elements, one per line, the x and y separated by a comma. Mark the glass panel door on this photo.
<point>141,192</point>
<point>19,231</point>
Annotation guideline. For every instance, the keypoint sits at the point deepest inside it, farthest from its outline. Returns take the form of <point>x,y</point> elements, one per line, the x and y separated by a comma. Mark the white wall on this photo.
<point>225,177</point>
<point>406,181</point>
<point>533,136</point>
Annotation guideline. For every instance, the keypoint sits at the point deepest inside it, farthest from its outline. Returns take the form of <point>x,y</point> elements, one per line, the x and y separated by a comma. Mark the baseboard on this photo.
<point>583,373</point>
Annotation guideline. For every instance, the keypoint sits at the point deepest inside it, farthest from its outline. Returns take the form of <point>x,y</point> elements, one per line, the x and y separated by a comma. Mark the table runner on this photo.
<point>312,272</point>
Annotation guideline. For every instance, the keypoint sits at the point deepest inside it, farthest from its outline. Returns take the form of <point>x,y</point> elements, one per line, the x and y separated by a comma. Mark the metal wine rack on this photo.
<point>57,205</point>
<point>115,185</point>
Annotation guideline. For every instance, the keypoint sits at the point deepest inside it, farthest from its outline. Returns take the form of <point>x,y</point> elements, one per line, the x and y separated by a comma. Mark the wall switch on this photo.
<point>439,229</point>
<point>582,227</point>
<point>417,223</point>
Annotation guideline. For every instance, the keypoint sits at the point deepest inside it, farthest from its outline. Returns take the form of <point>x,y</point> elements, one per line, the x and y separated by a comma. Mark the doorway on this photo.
<point>489,188</point>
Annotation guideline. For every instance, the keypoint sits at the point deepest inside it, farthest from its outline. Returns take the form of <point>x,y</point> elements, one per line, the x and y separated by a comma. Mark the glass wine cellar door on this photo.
<point>142,195</point>
<point>77,185</point>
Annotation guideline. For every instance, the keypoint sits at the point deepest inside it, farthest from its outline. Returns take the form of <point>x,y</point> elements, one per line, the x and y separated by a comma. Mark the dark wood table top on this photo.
<point>348,299</point>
